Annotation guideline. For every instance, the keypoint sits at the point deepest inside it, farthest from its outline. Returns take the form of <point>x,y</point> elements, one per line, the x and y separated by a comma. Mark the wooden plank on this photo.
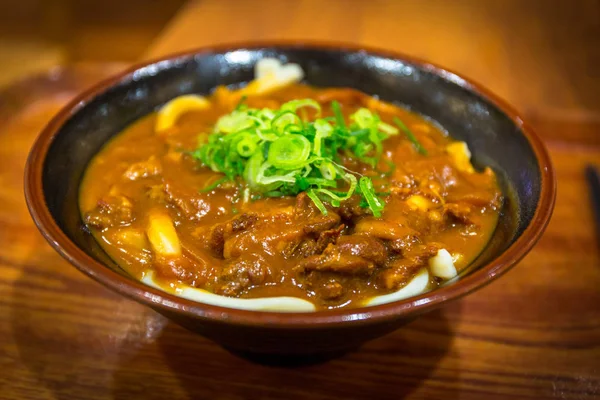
<point>540,55</point>
<point>532,334</point>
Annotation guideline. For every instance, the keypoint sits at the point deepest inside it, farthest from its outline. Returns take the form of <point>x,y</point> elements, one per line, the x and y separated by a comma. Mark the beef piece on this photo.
<point>327,237</point>
<point>320,222</point>
<point>291,248</point>
<point>352,254</point>
<point>143,169</point>
<point>350,210</point>
<point>477,198</point>
<point>365,246</point>
<point>399,272</point>
<point>157,193</point>
<point>243,222</point>
<point>307,246</point>
<point>260,236</point>
<point>387,230</point>
<point>459,212</point>
<point>186,200</point>
<point>221,232</point>
<point>175,269</point>
<point>304,206</point>
<point>193,254</point>
<point>311,218</point>
<point>216,240</point>
<point>132,243</point>
<point>423,252</point>
<point>301,248</point>
<point>275,232</point>
<point>230,289</point>
<point>404,244</point>
<point>331,290</point>
<point>479,191</point>
<point>110,211</point>
<point>334,260</point>
<point>241,274</point>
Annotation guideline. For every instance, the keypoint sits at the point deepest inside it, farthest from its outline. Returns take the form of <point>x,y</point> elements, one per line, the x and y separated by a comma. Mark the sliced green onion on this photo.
<point>337,112</point>
<point>284,119</point>
<point>265,180</point>
<point>391,168</point>
<point>291,128</point>
<point>234,122</point>
<point>296,104</point>
<point>302,183</point>
<point>246,195</point>
<point>262,123</point>
<point>240,103</point>
<point>321,182</point>
<point>336,197</point>
<point>213,185</point>
<point>364,118</point>
<point>252,168</point>
<point>368,192</point>
<point>246,147</point>
<point>360,132</point>
<point>387,128</point>
<point>289,151</point>
<point>361,150</point>
<point>323,130</point>
<point>327,170</point>
<point>278,153</point>
<point>410,136</point>
<point>267,135</point>
<point>313,196</point>
<point>307,170</point>
<point>376,140</point>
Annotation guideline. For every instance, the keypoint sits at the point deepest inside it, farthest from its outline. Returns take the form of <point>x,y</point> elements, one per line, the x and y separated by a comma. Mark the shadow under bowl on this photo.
<point>496,135</point>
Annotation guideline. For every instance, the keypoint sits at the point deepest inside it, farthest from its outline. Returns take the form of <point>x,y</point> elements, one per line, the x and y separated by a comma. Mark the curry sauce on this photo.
<point>233,242</point>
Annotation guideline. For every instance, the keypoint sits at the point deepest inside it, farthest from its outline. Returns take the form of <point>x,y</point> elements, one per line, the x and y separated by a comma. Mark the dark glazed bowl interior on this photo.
<point>495,135</point>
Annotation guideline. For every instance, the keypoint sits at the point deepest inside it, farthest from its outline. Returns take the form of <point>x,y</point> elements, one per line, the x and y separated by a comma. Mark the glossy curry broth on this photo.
<point>268,247</point>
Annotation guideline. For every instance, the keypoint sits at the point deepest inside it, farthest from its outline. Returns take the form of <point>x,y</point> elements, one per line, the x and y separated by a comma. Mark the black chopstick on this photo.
<point>593,177</point>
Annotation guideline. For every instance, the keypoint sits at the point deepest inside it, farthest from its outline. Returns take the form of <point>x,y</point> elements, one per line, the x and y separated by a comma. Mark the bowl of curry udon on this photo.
<point>290,199</point>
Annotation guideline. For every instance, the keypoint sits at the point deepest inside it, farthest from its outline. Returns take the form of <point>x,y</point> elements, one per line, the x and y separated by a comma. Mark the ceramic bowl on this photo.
<point>495,133</point>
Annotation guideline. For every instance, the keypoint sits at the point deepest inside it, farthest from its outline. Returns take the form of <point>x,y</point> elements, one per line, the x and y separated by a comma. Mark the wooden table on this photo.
<point>535,333</point>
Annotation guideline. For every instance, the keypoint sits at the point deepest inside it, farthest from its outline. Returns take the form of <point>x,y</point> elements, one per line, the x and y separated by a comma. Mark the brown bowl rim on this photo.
<point>168,302</point>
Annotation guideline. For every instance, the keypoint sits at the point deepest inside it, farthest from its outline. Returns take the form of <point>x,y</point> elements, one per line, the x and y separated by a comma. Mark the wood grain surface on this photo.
<point>542,55</point>
<point>533,334</point>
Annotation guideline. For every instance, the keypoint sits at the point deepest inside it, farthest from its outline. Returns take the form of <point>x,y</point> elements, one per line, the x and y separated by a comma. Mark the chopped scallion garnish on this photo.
<point>214,185</point>
<point>289,152</point>
<point>410,136</point>
<point>337,111</point>
<point>368,192</point>
<point>313,196</point>
<point>280,153</point>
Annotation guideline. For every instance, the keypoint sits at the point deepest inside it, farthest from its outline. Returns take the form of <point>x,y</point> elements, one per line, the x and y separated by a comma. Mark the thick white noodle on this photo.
<point>275,304</point>
<point>442,265</point>
<point>419,284</point>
